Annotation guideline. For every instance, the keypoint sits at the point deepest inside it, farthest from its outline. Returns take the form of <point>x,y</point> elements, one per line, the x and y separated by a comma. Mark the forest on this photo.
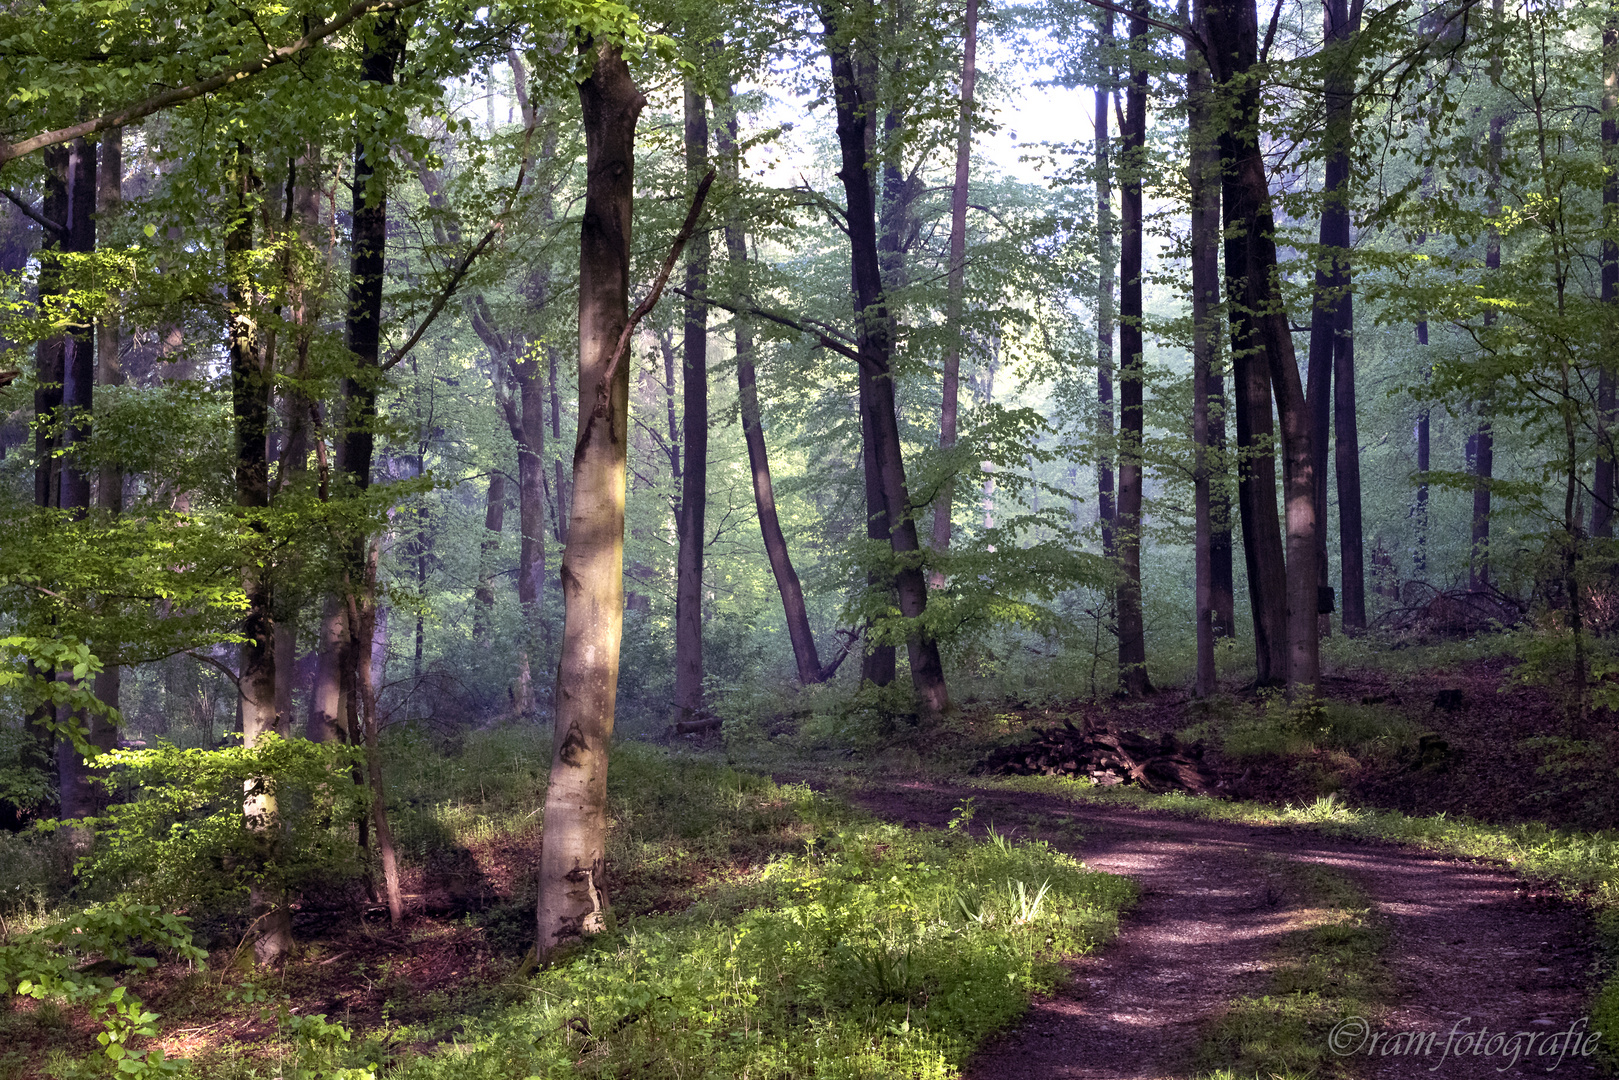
<point>563,538</point>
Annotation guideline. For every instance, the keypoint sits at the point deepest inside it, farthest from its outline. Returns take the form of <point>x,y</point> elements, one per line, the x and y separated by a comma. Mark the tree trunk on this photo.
<point>1260,319</point>
<point>1332,335</point>
<point>1107,511</point>
<point>1204,176</point>
<point>1483,440</point>
<point>364,614</point>
<point>76,790</point>
<point>337,674</point>
<point>872,334</point>
<point>1419,554</point>
<point>494,520</point>
<point>573,887</point>
<point>880,662</point>
<point>1602,495</point>
<point>694,393</point>
<point>799,633</point>
<point>250,407</point>
<point>957,280</point>
<point>1133,681</point>
<point>109,372</point>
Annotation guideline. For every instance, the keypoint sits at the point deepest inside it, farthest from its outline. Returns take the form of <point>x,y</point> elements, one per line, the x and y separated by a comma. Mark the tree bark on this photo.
<point>109,372</point>
<point>76,790</point>
<point>872,335</point>
<point>1204,176</point>
<point>573,887</point>
<point>805,656</point>
<point>957,280</point>
<point>1332,343</point>
<point>1107,510</point>
<point>694,394</point>
<point>1260,320</point>
<point>1602,495</point>
<point>1483,439</point>
<point>337,674</point>
<point>250,407</point>
<point>364,614</point>
<point>494,520</point>
<point>1133,681</point>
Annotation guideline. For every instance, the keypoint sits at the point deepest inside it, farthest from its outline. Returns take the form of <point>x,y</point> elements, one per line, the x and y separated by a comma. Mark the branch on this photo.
<point>229,674</point>
<point>1270,32</point>
<point>1186,34</point>
<point>827,341</point>
<point>40,219</point>
<point>181,94</point>
<point>465,264</point>
<point>644,308</point>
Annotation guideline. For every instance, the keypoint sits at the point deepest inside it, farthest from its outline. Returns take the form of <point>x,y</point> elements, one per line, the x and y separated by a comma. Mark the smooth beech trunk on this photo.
<point>1203,171</point>
<point>494,521</point>
<point>956,279</point>
<point>1133,681</point>
<point>805,655</point>
<point>251,386</point>
<point>109,372</point>
<point>1260,325</point>
<point>364,613</point>
<point>1419,553</point>
<point>872,335</point>
<point>1482,442</point>
<point>694,394</point>
<point>573,886</point>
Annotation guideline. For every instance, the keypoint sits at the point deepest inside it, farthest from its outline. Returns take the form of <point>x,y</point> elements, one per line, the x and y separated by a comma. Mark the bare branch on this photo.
<point>40,219</point>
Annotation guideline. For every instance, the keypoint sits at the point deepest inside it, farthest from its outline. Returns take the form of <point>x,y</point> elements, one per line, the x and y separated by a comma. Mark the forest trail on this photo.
<point>1470,946</point>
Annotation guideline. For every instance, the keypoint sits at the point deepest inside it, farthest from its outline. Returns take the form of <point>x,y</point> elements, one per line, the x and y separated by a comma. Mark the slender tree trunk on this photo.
<point>494,520</point>
<point>573,886</point>
<point>560,517</point>
<point>1260,319</point>
<point>250,406</point>
<point>1222,572</point>
<point>1483,440</point>
<point>365,616</point>
<point>805,655</point>
<point>1107,259</point>
<point>1133,680</point>
<point>1419,554</point>
<point>76,790</point>
<point>694,393</point>
<point>109,372</point>
<point>1602,495</point>
<point>1204,175</point>
<point>529,431</point>
<point>336,674</point>
<point>957,280</point>
<point>1332,337</point>
<point>880,662</point>
<point>927,668</point>
<point>50,355</point>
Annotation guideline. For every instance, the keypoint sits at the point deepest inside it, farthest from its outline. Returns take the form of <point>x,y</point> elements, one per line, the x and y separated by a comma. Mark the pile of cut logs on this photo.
<point>1107,757</point>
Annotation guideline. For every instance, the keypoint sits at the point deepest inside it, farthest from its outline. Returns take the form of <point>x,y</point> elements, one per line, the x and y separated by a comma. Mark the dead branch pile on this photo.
<point>1107,757</point>
<point>1427,611</point>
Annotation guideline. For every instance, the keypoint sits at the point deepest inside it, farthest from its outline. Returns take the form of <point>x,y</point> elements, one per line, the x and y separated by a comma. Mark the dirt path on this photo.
<point>1471,947</point>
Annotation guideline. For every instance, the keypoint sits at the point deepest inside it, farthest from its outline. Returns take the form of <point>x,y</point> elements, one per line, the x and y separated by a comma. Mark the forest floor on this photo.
<point>1249,944</point>
<point>1470,947</point>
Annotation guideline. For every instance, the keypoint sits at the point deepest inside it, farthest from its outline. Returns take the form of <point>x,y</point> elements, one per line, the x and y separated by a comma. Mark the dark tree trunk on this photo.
<point>1133,680</point>
<point>1107,511</point>
<point>1602,495</point>
<point>957,280</point>
<point>1204,175</point>
<point>1419,554</point>
<point>336,675</point>
<point>50,355</point>
<point>694,393</point>
<point>365,616</point>
<point>1332,335</point>
<point>1483,440</point>
<point>494,520</point>
<point>109,372</point>
<point>1222,572</point>
<point>76,790</point>
<point>573,886</point>
<point>805,655</point>
<point>872,334</point>
<point>1260,320</point>
<point>251,386</point>
<point>880,662</point>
